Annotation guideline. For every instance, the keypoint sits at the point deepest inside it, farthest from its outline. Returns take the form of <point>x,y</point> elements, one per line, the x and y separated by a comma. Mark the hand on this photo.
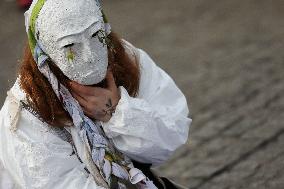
<point>97,103</point>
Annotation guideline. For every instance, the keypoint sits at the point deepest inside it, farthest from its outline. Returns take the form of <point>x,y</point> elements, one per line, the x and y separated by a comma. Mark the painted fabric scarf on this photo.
<point>110,162</point>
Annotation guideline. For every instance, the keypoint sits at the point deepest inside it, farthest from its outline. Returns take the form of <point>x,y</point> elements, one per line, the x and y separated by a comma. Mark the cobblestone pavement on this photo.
<point>227,56</point>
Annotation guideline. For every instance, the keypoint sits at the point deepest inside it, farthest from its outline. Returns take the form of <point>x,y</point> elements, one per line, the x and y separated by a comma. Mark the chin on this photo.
<point>102,83</point>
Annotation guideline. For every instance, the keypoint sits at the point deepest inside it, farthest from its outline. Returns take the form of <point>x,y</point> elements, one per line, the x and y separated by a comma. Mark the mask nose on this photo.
<point>87,52</point>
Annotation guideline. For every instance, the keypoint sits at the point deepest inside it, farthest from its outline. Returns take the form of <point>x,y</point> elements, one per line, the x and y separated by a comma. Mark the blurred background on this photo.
<point>227,57</point>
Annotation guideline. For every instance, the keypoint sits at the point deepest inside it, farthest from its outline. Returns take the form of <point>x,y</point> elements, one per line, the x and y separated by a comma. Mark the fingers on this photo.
<point>99,115</point>
<point>81,89</point>
<point>78,96</point>
<point>111,85</point>
<point>89,114</point>
<point>89,108</point>
<point>83,102</point>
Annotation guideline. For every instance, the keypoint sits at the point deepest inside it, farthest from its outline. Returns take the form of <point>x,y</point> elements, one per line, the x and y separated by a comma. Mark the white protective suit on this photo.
<point>148,129</point>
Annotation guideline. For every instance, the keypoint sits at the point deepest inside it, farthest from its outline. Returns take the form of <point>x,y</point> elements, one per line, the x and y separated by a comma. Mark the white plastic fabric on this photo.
<point>6,180</point>
<point>147,129</point>
<point>152,126</point>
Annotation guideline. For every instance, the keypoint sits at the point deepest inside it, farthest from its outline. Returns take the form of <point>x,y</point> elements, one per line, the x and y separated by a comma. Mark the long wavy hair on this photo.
<point>41,97</point>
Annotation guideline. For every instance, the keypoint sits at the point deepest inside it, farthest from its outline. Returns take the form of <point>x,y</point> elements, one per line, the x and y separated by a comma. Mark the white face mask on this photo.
<point>72,34</point>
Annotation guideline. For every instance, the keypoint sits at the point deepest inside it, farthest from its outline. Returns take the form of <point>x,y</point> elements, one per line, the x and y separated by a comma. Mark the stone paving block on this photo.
<point>201,171</point>
<point>212,185</point>
<point>258,170</point>
<point>215,126</point>
<point>266,130</point>
<point>193,182</point>
<point>277,181</point>
<point>244,126</point>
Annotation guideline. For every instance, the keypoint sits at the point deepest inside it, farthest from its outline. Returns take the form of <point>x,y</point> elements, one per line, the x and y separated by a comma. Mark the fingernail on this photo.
<point>70,83</point>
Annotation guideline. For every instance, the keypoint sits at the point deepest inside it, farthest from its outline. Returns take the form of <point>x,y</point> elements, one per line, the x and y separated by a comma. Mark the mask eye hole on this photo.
<point>68,46</point>
<point>99,33</point>
<point>96,34</point>
<point>101,36</point>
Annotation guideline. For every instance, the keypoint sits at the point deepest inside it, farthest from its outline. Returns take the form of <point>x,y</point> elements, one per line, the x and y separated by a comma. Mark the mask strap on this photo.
<point>31,31</point>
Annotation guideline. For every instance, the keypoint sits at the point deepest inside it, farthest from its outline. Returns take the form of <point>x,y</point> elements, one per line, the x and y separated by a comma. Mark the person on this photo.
<point>24,4</point>
<point>88,109</point>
